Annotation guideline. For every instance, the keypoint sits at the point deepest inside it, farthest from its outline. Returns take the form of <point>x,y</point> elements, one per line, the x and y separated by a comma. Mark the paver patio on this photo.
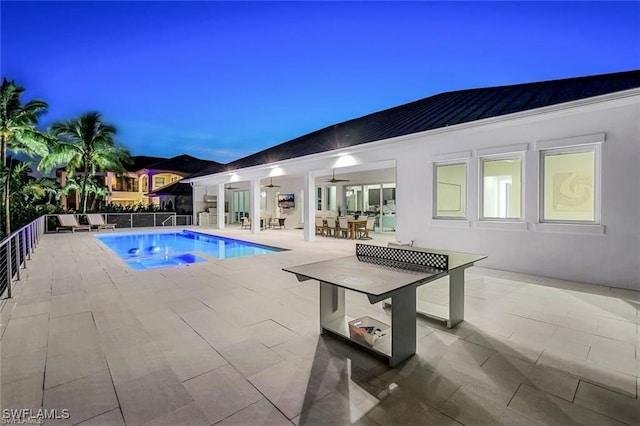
<point>237,341</point>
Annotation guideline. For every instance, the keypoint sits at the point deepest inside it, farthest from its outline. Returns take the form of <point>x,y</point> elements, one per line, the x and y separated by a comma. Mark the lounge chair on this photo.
<point>97,221</point>
<point>69,222</point>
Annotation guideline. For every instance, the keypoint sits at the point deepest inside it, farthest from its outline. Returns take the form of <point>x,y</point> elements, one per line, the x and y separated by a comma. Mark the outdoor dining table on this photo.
<point>354,224</point>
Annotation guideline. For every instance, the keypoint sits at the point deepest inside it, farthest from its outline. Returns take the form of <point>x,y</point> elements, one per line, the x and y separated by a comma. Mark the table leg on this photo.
<point>456,297</point>
<point>331,304</point>
<point>403,325</point>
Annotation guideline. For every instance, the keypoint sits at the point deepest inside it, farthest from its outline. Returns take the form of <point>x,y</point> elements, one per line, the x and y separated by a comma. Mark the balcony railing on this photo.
<point>129,220</point>
<point>15,250</point>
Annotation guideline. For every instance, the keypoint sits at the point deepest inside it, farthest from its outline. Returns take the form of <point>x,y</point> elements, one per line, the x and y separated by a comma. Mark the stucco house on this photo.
<point>143,177</point>
<point>542,177</point>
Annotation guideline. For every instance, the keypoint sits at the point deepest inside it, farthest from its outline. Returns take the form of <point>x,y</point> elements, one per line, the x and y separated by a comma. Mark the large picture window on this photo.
<point>569,185</point>
<point>451,190</point>
<point>501,188</point>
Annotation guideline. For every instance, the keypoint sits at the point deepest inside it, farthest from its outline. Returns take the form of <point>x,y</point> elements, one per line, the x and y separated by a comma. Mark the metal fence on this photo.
<point>16,250</point>
<point>129,220</point>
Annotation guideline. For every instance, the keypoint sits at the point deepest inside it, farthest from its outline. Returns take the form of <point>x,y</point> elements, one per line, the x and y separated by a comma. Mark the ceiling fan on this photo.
<point>271,185</point>
<point>334,180</point>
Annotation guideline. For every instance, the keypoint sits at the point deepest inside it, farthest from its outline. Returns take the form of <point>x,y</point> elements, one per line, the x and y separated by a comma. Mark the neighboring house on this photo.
<point>541,177</point>
<point>144,176</point>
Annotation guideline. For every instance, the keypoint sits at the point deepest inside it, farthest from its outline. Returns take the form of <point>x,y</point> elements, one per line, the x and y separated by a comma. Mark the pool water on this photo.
<point>165,249</point>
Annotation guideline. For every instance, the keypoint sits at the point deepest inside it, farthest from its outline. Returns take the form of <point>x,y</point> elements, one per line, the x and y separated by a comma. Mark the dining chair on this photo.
<point>330,228</point>
<point>366,227</point>
<point>343,228</point>
<point>319,226</point>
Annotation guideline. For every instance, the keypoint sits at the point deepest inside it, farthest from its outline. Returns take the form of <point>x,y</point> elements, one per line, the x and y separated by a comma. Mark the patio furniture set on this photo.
<point>265,222</point>
<point>70,223</point>
<point>345,227</point>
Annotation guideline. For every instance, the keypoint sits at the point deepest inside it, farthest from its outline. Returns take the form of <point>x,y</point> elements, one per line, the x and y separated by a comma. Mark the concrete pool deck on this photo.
<point>237,341</point>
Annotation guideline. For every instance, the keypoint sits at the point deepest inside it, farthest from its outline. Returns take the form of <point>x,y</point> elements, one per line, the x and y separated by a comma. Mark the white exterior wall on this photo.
<point>604,255</point>
<point>611,258</point>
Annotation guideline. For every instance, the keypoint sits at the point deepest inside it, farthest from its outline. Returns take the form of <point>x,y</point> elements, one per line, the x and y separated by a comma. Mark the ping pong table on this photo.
<point>382,273</point>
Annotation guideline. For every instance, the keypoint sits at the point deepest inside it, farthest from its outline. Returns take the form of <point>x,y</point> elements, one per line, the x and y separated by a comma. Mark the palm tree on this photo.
<point>20,187</point>
<point>18,133</point>
<point>23,191</point>
<point>85,144</point>
<point>94,187</point>
<point>17,123</point>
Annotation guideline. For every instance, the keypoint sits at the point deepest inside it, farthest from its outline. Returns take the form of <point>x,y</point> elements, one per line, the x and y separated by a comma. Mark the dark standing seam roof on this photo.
<point>445,109</point>
<point>182,164</point>
<point>140,162</point>
<point>174,188</point>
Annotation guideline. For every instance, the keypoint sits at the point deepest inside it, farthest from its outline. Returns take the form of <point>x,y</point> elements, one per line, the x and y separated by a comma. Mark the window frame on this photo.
<point>452,162</point>
<point>596,148</point>
<point>319,201</point>
<point>497,157</point>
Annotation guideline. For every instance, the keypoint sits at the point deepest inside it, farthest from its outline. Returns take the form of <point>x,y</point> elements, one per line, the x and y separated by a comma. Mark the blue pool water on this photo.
<point>164,249</point>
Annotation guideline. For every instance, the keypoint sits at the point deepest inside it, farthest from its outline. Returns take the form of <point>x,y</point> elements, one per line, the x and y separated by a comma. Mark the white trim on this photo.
<point>570,228</point>
<point>597,170</point>
<point>500,150</point>
<point>506,156</point>
<point>449,223</point>
<point>452,162</point>
<point>500,224</point>
<point>570,141</point>
<point>452,156</point>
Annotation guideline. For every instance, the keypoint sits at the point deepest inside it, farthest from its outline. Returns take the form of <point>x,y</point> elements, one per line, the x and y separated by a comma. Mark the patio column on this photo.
<point>309,209</point>
<point>196,192</point>
<point>149,186</point>
<point>254,196</point>
<point>220,207</point>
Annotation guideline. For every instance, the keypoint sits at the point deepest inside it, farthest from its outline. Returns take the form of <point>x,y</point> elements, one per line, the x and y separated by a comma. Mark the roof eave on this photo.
<point>453,128</point>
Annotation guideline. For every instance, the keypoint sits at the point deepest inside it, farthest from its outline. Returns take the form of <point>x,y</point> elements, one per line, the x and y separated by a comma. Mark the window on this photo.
<point>331,199</point>
<point>240,204</point>
<point>318,198</point>
<point>158,182</point>
<point>263,200</point>
<point>379,197</point>
<point>501,190</point>
<point>353,199</point>
<point>568,185</point>
<point>451,190</point>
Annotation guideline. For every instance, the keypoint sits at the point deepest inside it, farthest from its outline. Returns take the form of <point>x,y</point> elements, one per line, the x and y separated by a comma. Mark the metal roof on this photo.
<point>184,164</point>
<point>438,111</point>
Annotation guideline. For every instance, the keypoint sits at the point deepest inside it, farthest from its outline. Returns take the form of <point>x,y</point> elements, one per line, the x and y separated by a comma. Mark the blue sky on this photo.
<point>221,80</point>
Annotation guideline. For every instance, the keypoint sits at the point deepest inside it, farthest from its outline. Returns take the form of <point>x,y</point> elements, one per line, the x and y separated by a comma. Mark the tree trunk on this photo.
<point>84,195</point>
<point>5,199</point>
<point>84,188</point>
<point>3,149</point>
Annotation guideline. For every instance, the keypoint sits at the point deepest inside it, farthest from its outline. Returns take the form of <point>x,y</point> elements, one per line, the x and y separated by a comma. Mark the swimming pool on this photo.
<point>164,249</point>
